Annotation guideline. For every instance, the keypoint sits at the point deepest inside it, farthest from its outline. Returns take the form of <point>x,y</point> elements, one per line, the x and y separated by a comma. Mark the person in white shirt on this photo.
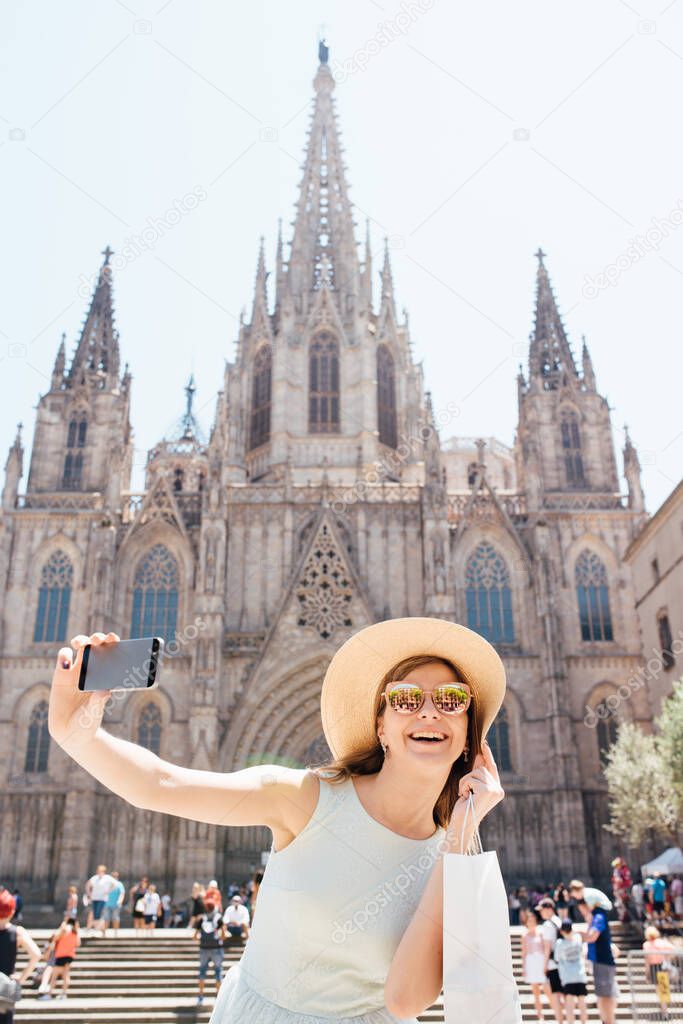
<point>97,889</point>
<point>550,930</point>
<point>236,918</point>
<point>152,901</point>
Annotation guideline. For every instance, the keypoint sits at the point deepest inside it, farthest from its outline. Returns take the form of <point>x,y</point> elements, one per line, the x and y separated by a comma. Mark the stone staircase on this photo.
<point>153,980</point>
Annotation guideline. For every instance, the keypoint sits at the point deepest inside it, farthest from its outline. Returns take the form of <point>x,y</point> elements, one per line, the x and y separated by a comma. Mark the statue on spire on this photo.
<point>323,51</point>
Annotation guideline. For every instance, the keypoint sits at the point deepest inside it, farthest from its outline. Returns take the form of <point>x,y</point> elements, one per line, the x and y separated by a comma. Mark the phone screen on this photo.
<point>125,665</point>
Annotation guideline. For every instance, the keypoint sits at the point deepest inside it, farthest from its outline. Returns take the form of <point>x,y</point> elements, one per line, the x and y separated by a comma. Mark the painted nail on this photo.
<point>65,663</point>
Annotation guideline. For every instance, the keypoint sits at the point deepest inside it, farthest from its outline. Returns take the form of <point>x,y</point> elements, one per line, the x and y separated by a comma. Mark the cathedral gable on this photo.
<point>324,601</point>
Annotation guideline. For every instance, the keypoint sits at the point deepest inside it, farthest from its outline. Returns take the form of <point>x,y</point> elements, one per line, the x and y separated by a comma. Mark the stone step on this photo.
<point>129,980</point>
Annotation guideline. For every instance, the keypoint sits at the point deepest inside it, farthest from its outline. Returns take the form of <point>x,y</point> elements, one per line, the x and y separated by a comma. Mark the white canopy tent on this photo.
<point>668,863</point>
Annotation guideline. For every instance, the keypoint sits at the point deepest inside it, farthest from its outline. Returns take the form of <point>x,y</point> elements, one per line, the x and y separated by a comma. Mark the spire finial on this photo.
<point>540,256</point>
<point>107,253</point>
<point>323,50</point>
<point>189,392</point>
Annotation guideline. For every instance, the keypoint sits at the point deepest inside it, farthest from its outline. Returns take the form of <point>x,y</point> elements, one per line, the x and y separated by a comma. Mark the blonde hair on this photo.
<point>652,933</point>
<point>368,760</point>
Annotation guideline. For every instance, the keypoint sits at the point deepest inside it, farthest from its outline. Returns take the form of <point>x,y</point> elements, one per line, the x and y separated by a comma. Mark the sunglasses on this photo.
<point>449,698</point>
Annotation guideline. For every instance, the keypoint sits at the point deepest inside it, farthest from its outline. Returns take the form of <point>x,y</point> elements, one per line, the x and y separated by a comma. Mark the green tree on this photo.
<point>644,773</point>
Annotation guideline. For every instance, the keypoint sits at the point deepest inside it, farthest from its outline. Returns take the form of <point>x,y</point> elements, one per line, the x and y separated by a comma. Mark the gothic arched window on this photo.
<point>54,595</point>
<point>488,595</point>
<point>386,396</point>
<point>590,577</point>
<point>665,639</point>
<point>38,741</point>
<point>155,594</point>
<point>177,480</point>
<point>606,734</point>
<point>323,395</point>
<point>149,728</point>
<point>498,737</point>
<point>73,460</point>
<point>571,448</point>
<point>259,430</point>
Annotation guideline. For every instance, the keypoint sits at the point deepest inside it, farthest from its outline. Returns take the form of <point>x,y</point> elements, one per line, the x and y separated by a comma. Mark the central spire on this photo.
<point>323,244</point>
<point>97,352</point>
<point>550,357</point>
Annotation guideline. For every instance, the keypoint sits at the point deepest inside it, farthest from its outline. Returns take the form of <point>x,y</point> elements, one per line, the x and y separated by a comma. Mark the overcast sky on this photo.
<point>473,132</point>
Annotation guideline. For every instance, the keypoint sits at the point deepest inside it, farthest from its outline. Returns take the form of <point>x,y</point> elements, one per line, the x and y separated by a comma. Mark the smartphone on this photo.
<point>125,665</point>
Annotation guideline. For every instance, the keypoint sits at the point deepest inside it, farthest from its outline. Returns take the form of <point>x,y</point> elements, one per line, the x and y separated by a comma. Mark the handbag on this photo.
<point>10,993</point>
<point>479,986</point>
<point>140,905</point>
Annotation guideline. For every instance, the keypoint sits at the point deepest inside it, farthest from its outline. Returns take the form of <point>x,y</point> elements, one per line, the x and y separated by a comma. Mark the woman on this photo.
<point>197,907</point>
<point>357,843</point>
<point>533,959</point>
<point>12,938</point>
<point>657,958</point>
<point>152,902</point>
<point>71,907</point>
<point>67,940</point>
<point>137,900</point>
<point>561,898</point>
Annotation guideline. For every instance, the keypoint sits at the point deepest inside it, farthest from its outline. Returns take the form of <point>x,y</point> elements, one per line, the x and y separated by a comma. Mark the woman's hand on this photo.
<point>483,782</point>
<point>74,717</point>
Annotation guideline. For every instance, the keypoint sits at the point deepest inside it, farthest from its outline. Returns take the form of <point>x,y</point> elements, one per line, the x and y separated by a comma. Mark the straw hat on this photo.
<point>347,700</point>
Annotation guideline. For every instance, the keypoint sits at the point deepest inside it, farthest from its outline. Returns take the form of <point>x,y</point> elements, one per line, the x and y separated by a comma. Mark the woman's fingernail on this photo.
<point>65,663</point>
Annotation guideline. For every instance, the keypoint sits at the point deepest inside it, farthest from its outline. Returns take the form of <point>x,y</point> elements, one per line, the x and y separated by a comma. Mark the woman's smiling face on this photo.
<point>396,729</point>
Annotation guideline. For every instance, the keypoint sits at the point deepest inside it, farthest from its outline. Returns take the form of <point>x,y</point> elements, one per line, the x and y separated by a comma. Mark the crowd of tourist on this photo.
<point>99,908</point>
<point>556,954</point>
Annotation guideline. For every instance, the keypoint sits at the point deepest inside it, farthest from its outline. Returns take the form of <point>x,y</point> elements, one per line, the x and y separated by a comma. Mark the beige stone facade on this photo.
<point>330,495</point>
<point>655,557</point>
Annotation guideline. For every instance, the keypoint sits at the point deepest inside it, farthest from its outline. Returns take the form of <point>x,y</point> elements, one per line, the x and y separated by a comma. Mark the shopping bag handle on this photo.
<point>470,808</point>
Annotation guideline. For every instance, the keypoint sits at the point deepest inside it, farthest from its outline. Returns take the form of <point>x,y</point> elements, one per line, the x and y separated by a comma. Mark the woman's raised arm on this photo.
<point>258,795</point>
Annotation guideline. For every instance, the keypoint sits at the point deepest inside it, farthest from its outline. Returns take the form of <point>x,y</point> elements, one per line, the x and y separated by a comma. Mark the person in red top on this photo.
<point>213,895</point>
<point>67,941</point>
<point>621,887</point>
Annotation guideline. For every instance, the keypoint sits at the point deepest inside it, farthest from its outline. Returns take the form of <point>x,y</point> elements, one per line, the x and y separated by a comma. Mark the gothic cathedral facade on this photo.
<point>323,500</point>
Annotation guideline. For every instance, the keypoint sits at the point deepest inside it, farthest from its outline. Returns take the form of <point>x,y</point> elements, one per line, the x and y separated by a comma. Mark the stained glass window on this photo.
<point>38,743</point>
<point>155,594</point>
<point>261,397</point>
<point>499,741</point>
<point>386,396</point>
<point>590,576</point>
<point>149,728</point>
<point>488,595</point>
<point>571,447</point>
<point>72,476</point>
<point>606,731</point>
<point>54,595</point>
<point>323,397</point>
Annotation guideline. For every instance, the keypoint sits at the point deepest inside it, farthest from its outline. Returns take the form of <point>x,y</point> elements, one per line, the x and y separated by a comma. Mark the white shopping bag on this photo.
<point>478,982</point>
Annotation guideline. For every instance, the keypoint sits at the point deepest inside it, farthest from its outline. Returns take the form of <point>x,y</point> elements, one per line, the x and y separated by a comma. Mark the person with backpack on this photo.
<point>12,937</point>
<point>550,930</point>
<point>210,931</point>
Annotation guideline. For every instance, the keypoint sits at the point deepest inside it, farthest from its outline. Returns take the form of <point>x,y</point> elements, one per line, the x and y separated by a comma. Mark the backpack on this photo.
<point>209,927</point>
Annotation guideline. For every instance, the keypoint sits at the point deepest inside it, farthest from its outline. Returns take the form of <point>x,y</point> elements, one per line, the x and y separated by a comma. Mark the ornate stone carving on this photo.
<point>324,590</point>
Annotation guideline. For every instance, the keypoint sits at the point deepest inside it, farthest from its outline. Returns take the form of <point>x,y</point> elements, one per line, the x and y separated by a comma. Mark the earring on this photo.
<point>384,746</point>
<point>465,750</point>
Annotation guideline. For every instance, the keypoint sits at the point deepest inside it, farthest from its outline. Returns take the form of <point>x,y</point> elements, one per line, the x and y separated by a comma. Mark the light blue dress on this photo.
<point>332,908</point>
